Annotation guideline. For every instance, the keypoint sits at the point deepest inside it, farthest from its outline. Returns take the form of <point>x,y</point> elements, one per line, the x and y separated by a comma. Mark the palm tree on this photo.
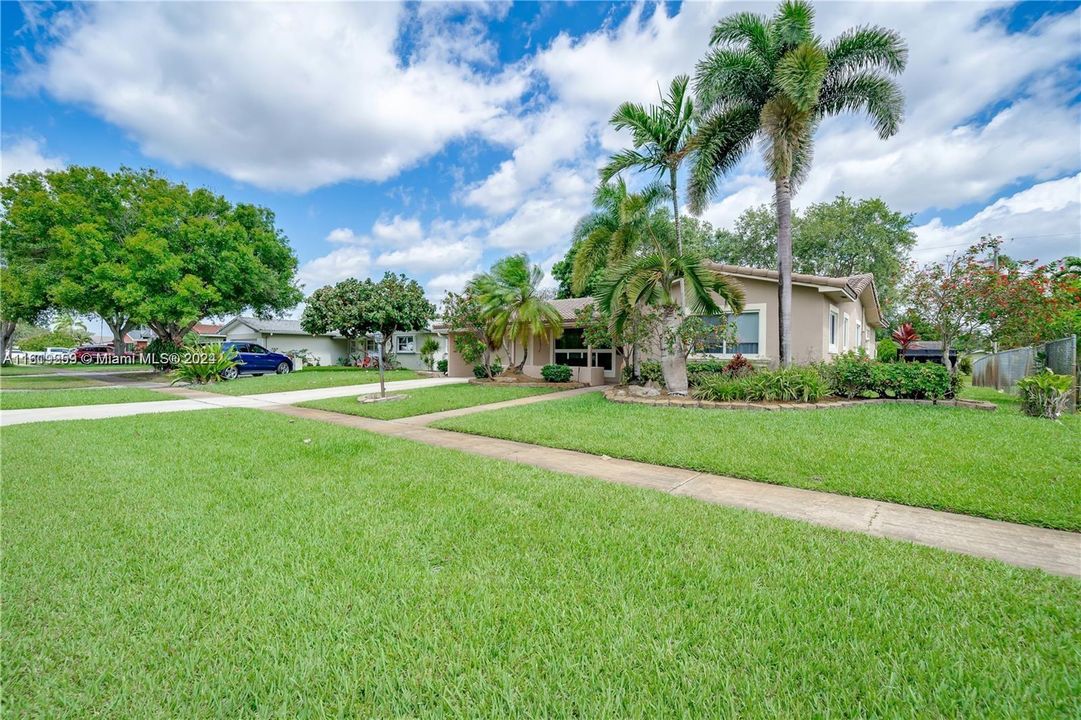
<point>662,139</point>
<point>648,280</point>
<point>773,79</point>
<point>512,303</point>
<point>615,229</point>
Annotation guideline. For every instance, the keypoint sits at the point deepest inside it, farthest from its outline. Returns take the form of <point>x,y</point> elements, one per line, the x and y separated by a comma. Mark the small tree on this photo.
<point>639,327</point>
<point>356,308</point>
<point>428,350</point>
<point>474,337</point>
<point>512,303</point>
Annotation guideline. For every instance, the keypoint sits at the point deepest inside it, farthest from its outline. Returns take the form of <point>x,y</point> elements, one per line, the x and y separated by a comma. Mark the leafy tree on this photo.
<point>562,271</point>
<point>70,326</point>
<point>512,304</point>
<point>619,225</point>
<point>647,281</point>
<point>661,136</point>
<point>753,241</point>
<point>774,79</point>
<point>473,335</point>
<point>356,308</point>
<point>26,254</point>
<point>427,352</point>
<point>638,327</point>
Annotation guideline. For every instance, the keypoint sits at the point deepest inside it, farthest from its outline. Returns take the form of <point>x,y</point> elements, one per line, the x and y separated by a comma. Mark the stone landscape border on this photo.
<point>619,394</point>
<point>508,382</point>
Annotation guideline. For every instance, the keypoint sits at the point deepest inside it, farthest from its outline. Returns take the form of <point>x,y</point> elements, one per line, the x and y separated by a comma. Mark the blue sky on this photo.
<point>432,139</point>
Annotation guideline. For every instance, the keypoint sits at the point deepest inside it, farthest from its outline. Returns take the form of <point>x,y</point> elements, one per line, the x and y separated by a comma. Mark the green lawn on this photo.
<point>66,367</point>
<point>1004,400</point>
<point>362,576</point>
<point>427,400</point>
<point>303,380</point>
<point>65,398</point>
<point>59,382</point>
<point>1000,465</point>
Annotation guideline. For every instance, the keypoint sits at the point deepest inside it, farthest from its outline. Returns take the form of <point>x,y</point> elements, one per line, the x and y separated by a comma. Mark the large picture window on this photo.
<point>741,335</point>
<point>406,344</point>
<point>571,349</point>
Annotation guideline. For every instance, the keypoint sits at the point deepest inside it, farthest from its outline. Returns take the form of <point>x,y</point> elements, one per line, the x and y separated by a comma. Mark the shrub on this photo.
<point>849,375</point>
<point>163,354</point>
<point>428,349</point>
<point>556,373</point>
<point>795,384</point>
<point>442,366</point>
<point>695,367</point>
<point>1045,394</point>
<point>480,373</point>
<point>886,350</point>
<point>201,364</point>
<point>964,365</point>
<point>738,366</point>
<point>650,371</point>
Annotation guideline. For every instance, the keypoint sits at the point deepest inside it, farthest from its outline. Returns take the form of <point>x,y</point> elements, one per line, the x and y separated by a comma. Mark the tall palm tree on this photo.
<point>773,79</point>
<point>512,303</point>
<point>617,227</point>
<point>648,280</point>
<point>662,139</point>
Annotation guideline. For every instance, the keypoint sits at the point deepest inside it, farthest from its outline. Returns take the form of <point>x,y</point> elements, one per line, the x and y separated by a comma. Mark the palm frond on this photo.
<point>787,130</point>
<point>869,92</point>
<point>748,30</point>
<point>626,160</point>
<point>726,76</point>
<point>723,140</point>
<point>794,24</point>
<point>867,48</point>
<point>800,72</point>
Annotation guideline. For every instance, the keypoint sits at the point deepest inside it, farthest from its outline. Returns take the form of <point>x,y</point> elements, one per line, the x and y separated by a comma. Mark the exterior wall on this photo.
<point>411,360</point>
<point>327,349</point>
<point>243,332</point>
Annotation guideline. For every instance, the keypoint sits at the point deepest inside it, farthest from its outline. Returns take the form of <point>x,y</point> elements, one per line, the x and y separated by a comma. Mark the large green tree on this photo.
<point>356,308</point>
<point>774,79</point>
<point>26,252</point>
<point>512,303</point>
<point>647,281</point>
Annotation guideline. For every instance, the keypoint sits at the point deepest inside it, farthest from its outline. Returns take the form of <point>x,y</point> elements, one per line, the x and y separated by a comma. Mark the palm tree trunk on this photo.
<point>673,356</point>
<point>783,201</point>
<point>672,183</point>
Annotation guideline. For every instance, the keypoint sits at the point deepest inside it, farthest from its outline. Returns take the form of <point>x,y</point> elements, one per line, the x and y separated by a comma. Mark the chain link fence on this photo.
<point>1002,370</point>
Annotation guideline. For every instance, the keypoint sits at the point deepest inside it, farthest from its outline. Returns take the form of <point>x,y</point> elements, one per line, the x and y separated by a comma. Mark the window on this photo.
<point>406,344</point>
<point>859,336</point>
<point>844,332</point>
<point>742,334</point>
<point>833,330</point>
<point>257,349</point>
<point>571,349</point>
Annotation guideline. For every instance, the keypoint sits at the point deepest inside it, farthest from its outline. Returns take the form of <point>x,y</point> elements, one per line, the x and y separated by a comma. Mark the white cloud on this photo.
<point>345,262</point>
<point>1041,223</point>
<point>453,281</point>
<point>25,154</point>
<point>397,230</point>
<point>342,236</point>
<point>431,255</point>
<point>279,95</point>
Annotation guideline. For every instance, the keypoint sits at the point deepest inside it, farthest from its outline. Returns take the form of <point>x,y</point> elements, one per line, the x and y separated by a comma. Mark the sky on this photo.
<point>434,139</point>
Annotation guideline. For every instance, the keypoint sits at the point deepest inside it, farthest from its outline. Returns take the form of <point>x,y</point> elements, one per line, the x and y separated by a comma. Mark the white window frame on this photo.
<point>859,335</point>
<point>760,308</point>
<point>831,328</point>
<point>846,325</point>
<point>412,345</point>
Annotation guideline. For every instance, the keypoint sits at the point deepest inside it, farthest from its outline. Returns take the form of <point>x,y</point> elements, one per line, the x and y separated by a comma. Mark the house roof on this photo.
<point>207,328</point>
<point>569,307</point>
<point>274,326</point>
<point>856,287</point>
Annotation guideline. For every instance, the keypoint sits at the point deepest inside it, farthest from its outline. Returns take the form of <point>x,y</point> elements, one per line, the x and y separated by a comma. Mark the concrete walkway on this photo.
<point>189,399</point>
<point>1055,551</point>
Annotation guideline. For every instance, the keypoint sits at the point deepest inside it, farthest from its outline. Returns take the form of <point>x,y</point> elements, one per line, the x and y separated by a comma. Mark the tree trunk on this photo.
<point>119,327</point>
<point>7,330</point>
<point>783,200</point>
<point>171,331</point>
<point>679,232</point>
<point>525,355</point>
<point>673,356</point>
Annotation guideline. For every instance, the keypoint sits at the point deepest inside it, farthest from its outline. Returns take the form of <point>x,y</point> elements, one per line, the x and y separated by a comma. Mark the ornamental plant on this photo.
<point>202,364</point>
<point>1045,394</point>
<point>556,373</point>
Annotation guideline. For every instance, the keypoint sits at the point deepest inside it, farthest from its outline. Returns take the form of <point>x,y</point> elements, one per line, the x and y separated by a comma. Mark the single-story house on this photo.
<point>287,336</point>
<point>830,316</point>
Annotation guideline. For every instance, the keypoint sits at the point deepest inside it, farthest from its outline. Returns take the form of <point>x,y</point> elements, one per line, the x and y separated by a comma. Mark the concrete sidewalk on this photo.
<point>1055,551</point>
<point>189,399</point>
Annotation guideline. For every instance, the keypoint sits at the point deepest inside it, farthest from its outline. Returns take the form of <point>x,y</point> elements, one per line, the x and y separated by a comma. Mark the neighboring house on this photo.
<point>209,332</point>
<point>928,351</point>
<point>287,336</point>
<point>830,316</point>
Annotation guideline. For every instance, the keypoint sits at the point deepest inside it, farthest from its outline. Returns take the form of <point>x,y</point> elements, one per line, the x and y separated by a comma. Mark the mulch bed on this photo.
<point>619,394</point>
<point>526,381</point>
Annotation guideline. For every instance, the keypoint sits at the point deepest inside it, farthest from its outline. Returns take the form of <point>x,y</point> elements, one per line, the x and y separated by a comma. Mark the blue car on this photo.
<point>254,359</point>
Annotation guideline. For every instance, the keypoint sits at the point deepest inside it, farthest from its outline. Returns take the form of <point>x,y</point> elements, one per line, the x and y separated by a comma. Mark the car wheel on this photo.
<point>230,374</point>
<point>283,368</point>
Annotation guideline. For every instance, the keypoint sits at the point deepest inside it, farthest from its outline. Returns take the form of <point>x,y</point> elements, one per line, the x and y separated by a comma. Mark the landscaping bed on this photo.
<point>327,584</point>
<point>625,394</point>
<point>1001,465</point>
<point>526,381</point>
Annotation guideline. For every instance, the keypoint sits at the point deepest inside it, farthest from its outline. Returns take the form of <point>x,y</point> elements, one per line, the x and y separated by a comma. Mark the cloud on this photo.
<point>437,287</point>
<point>283,96</point>
<point>25,154</point>
<point>342,236</point>
<point>1041,223</point>
<point>431,255</point>
<point>342,263</point>
<point>397,230</point>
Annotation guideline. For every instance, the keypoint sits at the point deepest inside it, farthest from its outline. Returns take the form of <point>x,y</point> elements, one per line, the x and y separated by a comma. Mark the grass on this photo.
<point>1003,399</point>
<point>363,576</point>
<point>67,398</point>
<point>1000,465</point>
<point>303,380</point>
<point>427,400</point>
<point>67,367</point>
<point>59,382</point>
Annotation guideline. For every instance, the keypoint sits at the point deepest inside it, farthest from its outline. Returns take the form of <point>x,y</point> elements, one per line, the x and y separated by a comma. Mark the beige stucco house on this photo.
<point>830,316</point>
